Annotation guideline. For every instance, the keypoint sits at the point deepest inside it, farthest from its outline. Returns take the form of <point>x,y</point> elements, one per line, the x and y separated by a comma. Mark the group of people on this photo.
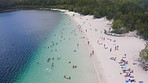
<point>51,60</point>
<point>116,47</point>
<point>67,77</point>
<point>145,67</point>
<point>127,72</point>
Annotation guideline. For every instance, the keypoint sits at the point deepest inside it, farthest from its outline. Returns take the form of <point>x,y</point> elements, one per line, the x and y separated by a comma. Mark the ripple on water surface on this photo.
<point>63,58</point>
<point>21,32</point>
<point>48,48</point>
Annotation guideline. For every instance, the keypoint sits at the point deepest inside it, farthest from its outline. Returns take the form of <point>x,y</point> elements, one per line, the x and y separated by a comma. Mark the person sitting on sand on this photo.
<point>86,30</point>
<point>132,81</point>
<point>113,58</point>
<point>73,15</point>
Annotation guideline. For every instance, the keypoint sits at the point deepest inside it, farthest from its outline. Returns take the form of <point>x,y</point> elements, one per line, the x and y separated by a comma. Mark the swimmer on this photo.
<point>64,76</point>
<point>48,59</point>
<point>77,44</point>
<point>69,62</point>
<point>69,78</point>
<point>38,63</point>
<point>74,50</point>
<point>58,58</point>
<point>52,64</point>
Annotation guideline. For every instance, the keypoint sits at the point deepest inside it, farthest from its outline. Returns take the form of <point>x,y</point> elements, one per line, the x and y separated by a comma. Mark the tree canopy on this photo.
<point>128,15</point>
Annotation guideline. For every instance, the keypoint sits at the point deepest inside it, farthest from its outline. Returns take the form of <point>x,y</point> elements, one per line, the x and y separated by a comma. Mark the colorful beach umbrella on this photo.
<point>123,67</point>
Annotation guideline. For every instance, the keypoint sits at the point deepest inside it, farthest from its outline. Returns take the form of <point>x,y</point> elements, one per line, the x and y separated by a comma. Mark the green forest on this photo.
<point>128,15</point>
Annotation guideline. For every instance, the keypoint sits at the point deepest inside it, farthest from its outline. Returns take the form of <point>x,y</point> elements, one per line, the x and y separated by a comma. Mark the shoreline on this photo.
<point>57,63</point>
<point>110,71</point>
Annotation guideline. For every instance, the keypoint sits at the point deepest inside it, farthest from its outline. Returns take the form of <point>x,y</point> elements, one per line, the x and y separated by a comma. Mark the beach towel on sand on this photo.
<point>140,82</point>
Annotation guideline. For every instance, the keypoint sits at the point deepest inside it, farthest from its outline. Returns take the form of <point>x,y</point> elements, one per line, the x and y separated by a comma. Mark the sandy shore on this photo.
<point>110,51</point>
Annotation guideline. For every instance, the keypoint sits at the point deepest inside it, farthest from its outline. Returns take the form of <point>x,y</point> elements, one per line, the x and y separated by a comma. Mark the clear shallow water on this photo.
<point>58,44</point>
<point>21,32</point>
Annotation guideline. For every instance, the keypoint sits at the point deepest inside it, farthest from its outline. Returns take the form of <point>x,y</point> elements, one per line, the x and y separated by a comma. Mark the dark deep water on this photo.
<point>21,32</point>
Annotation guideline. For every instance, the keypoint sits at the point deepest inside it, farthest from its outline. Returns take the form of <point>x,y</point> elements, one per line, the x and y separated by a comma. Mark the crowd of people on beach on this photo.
<point>123,62</point>
<point>127,72</point>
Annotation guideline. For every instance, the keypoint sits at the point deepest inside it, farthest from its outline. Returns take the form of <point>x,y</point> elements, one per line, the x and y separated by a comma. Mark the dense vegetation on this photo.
<point>128,15</point>
<point>144,58</point>
<point>144,53</point>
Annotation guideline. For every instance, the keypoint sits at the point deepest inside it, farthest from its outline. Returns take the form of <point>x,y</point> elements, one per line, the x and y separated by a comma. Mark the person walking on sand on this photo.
<point>92,53</point>
<point>110,49</point>
<point>86,30</point>
<point>88,42</point>
<point>104,45</point>
<point>115,48</point>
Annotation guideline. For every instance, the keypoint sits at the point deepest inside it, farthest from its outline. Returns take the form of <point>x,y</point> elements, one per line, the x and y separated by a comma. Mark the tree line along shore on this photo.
<point>127,15</point>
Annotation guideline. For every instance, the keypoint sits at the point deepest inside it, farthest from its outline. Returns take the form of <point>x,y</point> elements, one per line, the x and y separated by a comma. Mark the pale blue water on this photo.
<point>54,35</point>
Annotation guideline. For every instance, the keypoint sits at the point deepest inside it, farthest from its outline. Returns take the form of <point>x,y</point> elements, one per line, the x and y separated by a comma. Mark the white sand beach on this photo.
<point>109,50</point>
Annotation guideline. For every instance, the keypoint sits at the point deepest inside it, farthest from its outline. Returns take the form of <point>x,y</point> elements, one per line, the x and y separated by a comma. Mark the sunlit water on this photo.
<point>39,46</point>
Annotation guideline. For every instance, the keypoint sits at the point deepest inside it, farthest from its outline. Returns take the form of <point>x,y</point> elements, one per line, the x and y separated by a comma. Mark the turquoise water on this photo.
<point>61,46</point>
<point>21,33</point>
<point>55,47</point>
